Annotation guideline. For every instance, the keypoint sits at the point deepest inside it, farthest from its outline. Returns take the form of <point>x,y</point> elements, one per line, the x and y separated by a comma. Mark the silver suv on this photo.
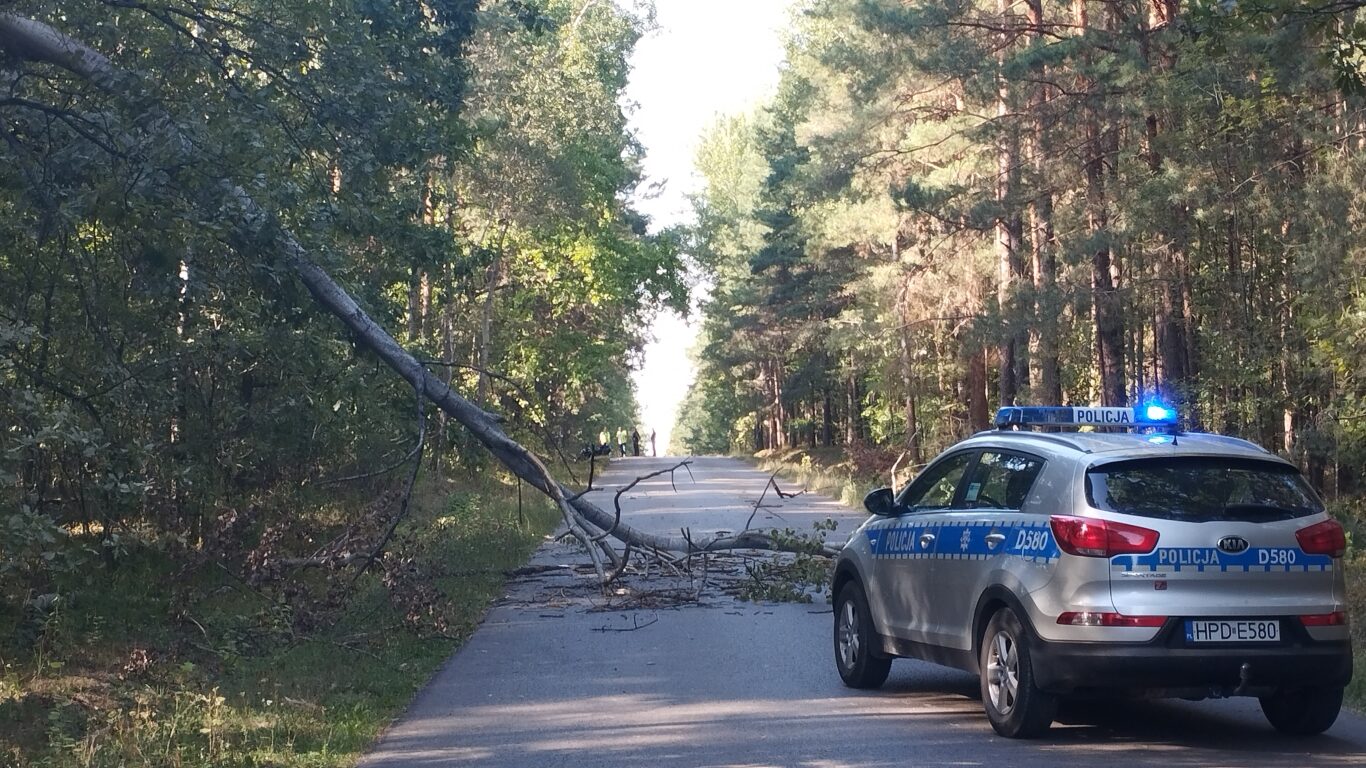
<point>1151,563</point>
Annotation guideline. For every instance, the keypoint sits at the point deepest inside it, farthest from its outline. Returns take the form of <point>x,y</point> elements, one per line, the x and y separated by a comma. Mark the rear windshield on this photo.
<point>1199,489</point>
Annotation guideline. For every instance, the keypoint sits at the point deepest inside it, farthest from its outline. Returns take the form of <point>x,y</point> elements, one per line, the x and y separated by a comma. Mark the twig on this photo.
<point>581,494</point>
<point>407,493</point>
<point>896,464</point>
<point>781,493</point>
<point>367,475</point>
<point>635,625</point>
<point>616,500</point>
<point>758,501</point>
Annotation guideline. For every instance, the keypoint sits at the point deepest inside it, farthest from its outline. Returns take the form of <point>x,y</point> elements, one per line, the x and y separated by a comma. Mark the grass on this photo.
<point>131,672</point>
<point>1352,513</point>
<point>826,471</point>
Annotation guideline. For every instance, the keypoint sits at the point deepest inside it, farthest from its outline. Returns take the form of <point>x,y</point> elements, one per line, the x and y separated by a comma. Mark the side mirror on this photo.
<point>880,502</point>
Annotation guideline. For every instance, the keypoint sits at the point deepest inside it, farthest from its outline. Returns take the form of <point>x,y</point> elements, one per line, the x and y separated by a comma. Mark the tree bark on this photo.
<point>827,421</point>
<point>908,373</point>
<point>1043,252</point>
<point>978,418</point>
<point>854,408</point>
<point>1106,315</point>
<point>414,304</point>
<point>491,278</point>
<point>1008,227</point>
<point>1170,330</point>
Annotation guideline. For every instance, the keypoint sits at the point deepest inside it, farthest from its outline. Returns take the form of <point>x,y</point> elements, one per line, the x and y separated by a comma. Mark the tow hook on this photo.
<point>1244,677</point>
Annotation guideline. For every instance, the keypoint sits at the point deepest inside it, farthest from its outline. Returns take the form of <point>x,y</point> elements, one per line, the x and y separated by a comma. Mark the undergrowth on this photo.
<point>156,664</point>
<point>1352,513</point>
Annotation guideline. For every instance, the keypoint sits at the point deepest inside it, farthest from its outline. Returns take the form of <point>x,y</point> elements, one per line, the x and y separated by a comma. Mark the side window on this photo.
<point>937,487</point>
<point>1001,481</point>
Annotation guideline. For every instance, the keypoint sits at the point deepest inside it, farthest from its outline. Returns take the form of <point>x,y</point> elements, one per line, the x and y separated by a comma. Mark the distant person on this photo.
<point>621,440</point>
<point>653,452</point>
<point>604,443</point>
<point>635,442</point>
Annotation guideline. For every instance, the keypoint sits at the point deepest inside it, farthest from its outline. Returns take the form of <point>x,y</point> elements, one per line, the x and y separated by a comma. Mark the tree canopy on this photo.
<point>949,206</point>
<point>463,167</point>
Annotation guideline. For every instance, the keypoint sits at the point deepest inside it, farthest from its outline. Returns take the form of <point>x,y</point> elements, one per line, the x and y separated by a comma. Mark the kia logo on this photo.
<point>1233,544</point>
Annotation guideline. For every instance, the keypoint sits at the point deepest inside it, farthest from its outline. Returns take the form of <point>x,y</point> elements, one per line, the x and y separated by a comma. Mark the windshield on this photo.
<point>1200,489</point>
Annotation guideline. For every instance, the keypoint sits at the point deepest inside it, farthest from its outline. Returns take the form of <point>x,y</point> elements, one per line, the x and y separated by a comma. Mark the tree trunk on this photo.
<point>854,407</point>
<point>1043,251</point>
<point>1106,311</point>
<point>908,373</point>
<point>777,409</point>
<point>827,422</point>
<point>1008,227</point>
<point>1169,328</point>
<point>908,378</point>
<point>414,304</point>
<point>978,418</point>
<point>491,278</point>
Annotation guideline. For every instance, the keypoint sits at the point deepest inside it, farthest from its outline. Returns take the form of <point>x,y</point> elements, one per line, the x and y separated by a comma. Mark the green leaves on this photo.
<point>464,170</point>
<point>935,184</point>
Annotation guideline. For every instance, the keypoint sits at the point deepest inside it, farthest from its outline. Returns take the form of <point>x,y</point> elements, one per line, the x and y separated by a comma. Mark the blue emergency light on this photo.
<point>1152,415</point>
<point>1160,414</point>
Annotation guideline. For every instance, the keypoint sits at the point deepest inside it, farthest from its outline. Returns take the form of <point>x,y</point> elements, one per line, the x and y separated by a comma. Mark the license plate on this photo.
<point>1236,631</point>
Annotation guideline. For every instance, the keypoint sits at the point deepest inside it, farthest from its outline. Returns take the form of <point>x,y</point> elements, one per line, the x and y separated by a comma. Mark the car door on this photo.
<point>986,529</point>
<point>904,547</point>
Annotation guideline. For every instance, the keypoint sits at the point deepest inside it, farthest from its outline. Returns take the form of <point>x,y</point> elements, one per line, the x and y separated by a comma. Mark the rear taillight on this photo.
<point>1090,537</point>
<point>1104,619</point>
<point>1325,538</point>
<point>1334,619</point>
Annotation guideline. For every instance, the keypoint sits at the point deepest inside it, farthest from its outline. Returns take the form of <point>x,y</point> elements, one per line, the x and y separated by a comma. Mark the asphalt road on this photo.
<point>560,675</point>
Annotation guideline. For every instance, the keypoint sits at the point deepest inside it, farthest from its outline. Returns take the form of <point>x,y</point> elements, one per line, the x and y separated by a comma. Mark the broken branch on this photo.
<point>253,228</point>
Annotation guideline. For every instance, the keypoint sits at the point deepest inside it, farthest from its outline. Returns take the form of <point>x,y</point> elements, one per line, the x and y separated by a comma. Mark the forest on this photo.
<point>463,169</point>
<point>950,206</point>
<point>210,487</point>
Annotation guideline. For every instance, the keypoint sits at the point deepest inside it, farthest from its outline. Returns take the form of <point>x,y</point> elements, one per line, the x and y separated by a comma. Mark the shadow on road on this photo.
<point>927,717</point>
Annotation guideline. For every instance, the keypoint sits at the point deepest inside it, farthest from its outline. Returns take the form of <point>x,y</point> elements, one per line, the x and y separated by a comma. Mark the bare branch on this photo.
<point>616,500</point>
<point>759,501</point>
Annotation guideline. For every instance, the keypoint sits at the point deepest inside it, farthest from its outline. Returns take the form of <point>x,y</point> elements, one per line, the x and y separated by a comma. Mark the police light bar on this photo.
<point>1151,415</point>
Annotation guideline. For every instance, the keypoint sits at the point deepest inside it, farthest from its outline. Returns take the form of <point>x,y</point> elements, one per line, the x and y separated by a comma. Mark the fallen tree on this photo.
<point>253,228</point>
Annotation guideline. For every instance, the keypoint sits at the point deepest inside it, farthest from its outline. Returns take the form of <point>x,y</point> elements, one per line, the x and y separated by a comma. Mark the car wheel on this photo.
<point>1303,711</point>
<point>857,656</point>
<point>1015,706</point>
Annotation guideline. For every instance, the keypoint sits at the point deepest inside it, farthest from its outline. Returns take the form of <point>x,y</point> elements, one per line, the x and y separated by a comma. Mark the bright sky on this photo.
<point>708,58</point>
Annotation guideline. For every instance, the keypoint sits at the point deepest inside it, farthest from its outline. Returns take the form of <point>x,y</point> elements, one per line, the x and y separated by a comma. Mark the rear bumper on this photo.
<point>1166,666</point>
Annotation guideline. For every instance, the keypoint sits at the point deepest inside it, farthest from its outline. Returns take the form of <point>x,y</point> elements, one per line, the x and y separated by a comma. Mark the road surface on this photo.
<point>560,675</point>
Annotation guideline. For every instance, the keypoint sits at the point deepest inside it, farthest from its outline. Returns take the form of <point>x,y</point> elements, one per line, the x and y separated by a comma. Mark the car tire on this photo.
<point>1015,706</point>
<point>1303,711</point>
<point>857,656</point>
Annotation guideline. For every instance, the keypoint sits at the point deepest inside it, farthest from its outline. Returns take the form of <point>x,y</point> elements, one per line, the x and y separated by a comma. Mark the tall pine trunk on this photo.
<point>1008,226</point>
<point>1105,306</point>
<point>1043,253</point>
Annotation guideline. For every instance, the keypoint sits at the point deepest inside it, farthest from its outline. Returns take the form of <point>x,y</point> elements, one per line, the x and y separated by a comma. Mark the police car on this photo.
<point>1137,559</point>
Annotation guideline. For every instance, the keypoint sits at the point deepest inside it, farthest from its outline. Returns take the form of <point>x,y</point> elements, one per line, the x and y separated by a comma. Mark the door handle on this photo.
<point>926,539</point>
<point>994,539</point>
